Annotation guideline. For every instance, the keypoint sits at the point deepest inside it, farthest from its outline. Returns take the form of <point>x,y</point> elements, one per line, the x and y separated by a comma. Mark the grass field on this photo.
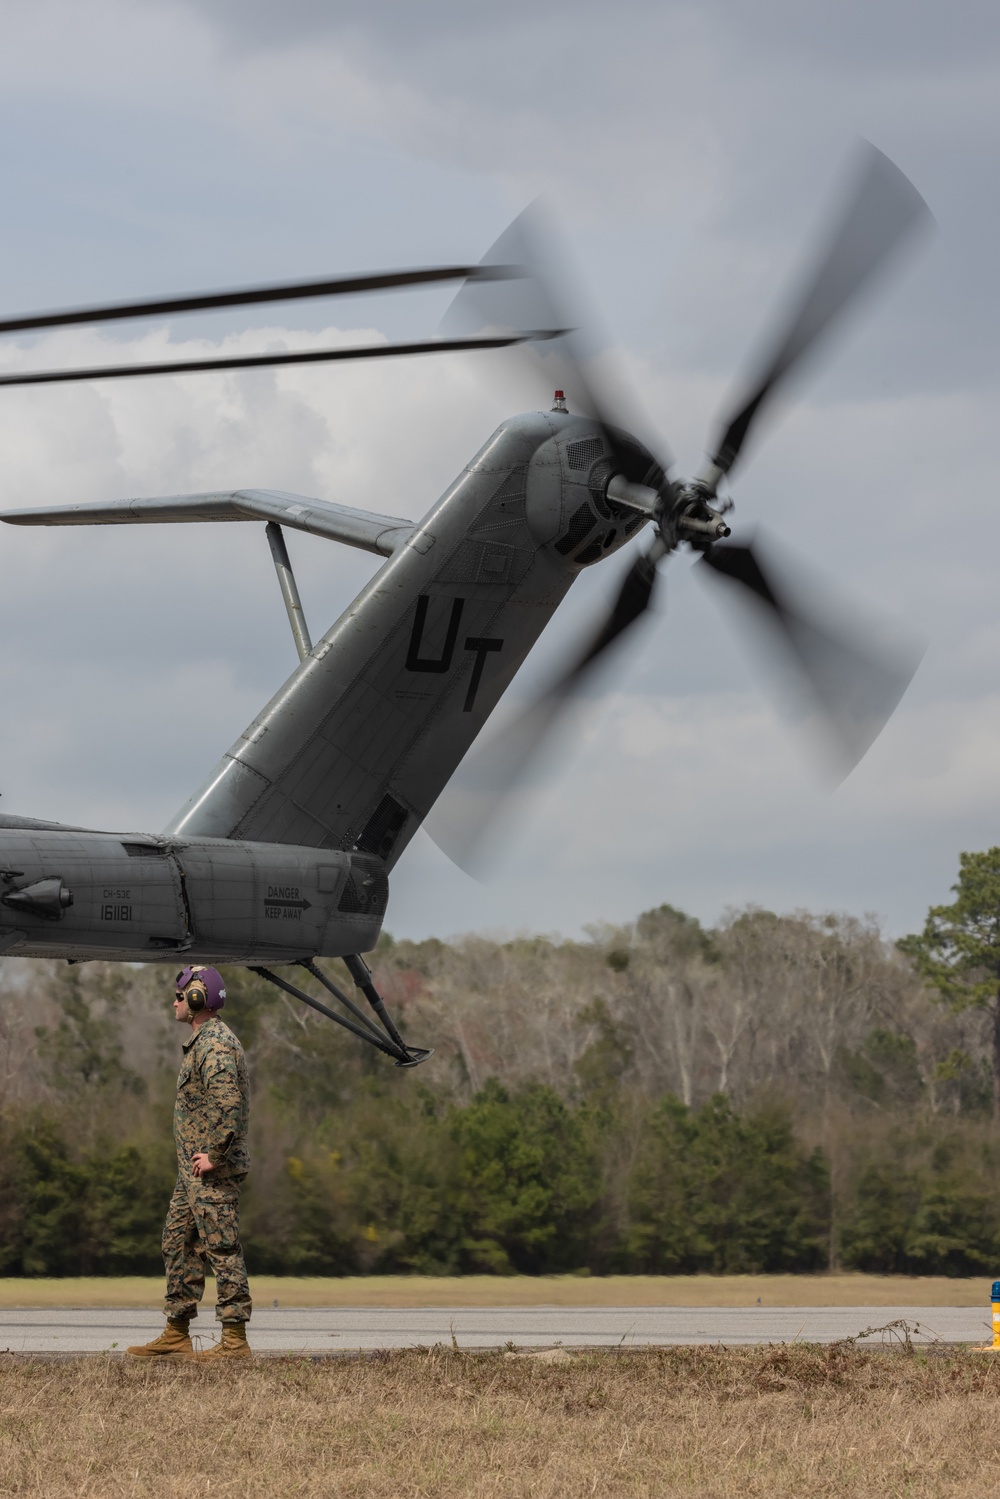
<point>777,1422</point>
<point>522,1290</point>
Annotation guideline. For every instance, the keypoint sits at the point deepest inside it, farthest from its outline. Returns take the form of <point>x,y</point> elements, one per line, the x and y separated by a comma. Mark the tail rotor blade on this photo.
<point>883,209</point>
<point>854,677</point>
<point>525,282</point>
<point>468,811</point>
<point>634,598</point>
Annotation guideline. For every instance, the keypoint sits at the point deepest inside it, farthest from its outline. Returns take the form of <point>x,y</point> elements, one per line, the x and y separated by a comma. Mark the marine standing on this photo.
<point>211,1114</point>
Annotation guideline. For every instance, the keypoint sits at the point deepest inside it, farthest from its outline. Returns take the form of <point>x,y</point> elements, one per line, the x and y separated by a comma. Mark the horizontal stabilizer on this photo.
<point>382,534</point>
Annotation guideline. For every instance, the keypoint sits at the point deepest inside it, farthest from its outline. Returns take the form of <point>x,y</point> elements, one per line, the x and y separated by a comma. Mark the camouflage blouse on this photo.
<point>212,1110</point>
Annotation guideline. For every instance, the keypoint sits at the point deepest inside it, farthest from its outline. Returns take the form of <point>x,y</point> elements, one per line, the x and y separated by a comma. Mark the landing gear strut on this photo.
<point>386,1039</point>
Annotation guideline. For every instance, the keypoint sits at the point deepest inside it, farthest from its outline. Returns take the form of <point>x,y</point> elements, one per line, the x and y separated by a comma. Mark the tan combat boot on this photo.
<point>232,1344</point>
<point>174,1342</point>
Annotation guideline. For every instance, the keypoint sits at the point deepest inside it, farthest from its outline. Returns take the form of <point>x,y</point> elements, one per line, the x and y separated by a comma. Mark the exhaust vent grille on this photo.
<point>383,828</point>
<point>583,454</point>
<point>366,892</point>
<point>580,525</point>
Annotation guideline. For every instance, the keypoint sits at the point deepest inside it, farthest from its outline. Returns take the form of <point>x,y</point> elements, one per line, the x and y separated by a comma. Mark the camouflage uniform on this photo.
<point>203,1220</point>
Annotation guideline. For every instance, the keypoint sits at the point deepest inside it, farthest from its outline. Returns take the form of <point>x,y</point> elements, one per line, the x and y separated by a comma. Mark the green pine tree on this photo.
<point>958,951</point>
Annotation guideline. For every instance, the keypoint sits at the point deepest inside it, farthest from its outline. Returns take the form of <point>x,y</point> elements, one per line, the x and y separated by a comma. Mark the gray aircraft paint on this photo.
<point>383,534</point>
<point>144,899</point>
<point>392,697</point>
<point>283,854</point>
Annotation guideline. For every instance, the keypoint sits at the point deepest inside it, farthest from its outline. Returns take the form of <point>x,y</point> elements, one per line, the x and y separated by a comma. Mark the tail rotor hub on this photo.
<point>693,519</point>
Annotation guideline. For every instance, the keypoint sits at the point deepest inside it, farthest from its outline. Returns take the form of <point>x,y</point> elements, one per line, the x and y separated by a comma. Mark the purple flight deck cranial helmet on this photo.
<point>215,988</point>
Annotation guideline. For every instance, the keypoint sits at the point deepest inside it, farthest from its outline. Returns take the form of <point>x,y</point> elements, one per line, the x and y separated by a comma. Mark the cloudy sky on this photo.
<point>692,152</point>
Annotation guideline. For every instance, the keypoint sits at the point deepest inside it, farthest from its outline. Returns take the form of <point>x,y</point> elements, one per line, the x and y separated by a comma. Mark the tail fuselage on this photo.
<point>358,744</point>
<point>284,853</point>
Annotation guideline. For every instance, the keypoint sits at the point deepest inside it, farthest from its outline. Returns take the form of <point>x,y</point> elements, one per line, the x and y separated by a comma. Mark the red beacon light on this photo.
<point>560,401</point>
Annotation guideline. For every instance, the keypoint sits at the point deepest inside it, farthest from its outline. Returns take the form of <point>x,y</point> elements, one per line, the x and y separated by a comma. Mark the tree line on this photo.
<point>786,1093</point>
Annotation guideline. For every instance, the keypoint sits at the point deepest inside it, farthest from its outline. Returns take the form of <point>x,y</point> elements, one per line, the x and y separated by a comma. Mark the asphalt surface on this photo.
<point>316,1330</point>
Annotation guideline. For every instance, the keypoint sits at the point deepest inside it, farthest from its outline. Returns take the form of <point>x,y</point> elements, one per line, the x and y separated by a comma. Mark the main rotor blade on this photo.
<point>284,291</point>
<point>854,678</point>
<point>256,361</point>
<point>462,821</point>
<point>882,209</point>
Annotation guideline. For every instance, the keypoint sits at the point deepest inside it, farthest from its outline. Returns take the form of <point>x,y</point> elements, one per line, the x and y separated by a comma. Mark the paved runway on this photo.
<point>331,1329</point>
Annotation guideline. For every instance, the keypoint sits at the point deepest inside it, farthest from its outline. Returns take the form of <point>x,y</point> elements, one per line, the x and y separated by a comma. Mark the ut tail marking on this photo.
<point>414,660</point>
<point>479,644</point>
<point>482,647</point>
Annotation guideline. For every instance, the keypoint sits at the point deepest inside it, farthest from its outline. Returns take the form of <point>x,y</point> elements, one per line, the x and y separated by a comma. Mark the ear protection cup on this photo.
<point>196,996</point>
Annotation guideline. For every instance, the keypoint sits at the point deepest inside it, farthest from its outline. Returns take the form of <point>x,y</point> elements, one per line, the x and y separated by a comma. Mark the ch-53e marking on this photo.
<point>283,854</point>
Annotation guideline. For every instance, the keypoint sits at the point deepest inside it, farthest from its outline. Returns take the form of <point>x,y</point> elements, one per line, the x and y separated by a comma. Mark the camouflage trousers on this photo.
<point>203,1224</point>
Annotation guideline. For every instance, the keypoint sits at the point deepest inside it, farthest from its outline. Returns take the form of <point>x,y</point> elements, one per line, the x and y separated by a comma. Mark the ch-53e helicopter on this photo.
<point>283,855</point>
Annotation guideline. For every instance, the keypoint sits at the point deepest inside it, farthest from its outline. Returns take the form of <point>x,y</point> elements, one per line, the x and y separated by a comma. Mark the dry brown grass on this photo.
<point>783,1421</point>
<point>524,1290</point>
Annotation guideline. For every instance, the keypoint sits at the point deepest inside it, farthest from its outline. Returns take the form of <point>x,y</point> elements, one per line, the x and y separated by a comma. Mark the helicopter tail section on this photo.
<point>355,748</point>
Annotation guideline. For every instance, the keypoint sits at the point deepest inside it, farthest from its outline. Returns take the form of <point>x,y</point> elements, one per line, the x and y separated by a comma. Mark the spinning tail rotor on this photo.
<point>852,680</point>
